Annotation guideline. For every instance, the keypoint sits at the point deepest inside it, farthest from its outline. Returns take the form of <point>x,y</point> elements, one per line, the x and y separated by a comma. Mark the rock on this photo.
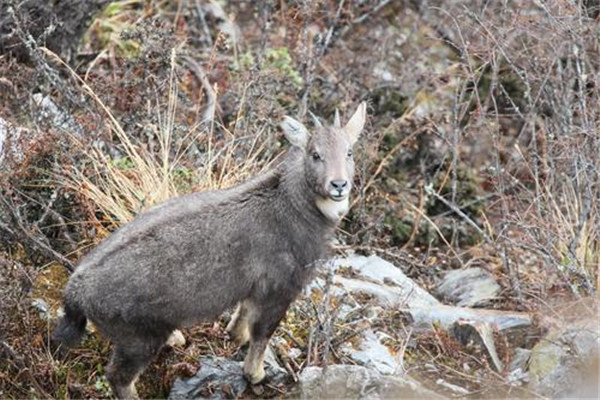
<point>517,370</point>
<point>356,382</point>
<point>49,111</point>
<point>375,355</point>
<point>217,378</point>
<point>386,282</point>
<point>392,288</point>
<point>566,363</point>
<point>479,334</point>
<point>43,309</point>
<point>224,23</point>
<point>222,378</point>
<point>470,287</point>
<point>425,317</point>
<point>275,372</point>
<point>520,359</point>
<point>9,139</point>
<point>176,339</point>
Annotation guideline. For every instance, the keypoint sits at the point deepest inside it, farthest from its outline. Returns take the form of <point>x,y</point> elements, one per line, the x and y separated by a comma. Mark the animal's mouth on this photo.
<point>338,195</point>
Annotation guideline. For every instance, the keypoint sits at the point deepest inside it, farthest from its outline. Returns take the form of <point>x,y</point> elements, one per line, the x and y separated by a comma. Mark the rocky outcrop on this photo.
<point>565,363</point>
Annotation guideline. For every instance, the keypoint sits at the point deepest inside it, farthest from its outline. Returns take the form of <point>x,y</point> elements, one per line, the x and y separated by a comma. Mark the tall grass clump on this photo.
<point>142,177</point>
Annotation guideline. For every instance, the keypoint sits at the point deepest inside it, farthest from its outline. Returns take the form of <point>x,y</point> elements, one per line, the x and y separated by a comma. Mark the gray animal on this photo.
<point>191,258</point>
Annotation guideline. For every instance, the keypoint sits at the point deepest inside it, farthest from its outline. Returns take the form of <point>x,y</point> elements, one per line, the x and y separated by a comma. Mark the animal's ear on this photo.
<point>357,122</point>
<point>295,132</point>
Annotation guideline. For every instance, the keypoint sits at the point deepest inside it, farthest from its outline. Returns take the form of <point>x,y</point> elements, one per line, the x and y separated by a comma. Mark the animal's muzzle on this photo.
<point>338,189</point>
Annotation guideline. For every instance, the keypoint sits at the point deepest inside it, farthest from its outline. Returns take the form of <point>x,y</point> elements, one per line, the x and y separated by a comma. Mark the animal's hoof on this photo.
<point>176,339</point>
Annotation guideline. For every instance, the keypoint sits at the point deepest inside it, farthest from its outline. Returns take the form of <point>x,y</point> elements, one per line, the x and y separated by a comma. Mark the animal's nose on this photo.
<point>339,184</point>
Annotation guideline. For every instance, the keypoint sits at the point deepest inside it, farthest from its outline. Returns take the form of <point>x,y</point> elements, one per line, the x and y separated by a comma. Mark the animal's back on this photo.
<point>185,260</point>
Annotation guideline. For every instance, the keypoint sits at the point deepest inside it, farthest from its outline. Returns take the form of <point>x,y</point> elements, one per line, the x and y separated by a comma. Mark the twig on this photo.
<point>429,190</point>
<point>22,366</point>
<point>417,221</point>
<point>328,316</point>
<point>439,232</point>
<point>203,24</point>
<point>290,335</point>
<point>312,60</point>
<point>363,17</point>
<point>34,52</point>
<point>343,339</point>
<point>37,242</point>
<point>583,217</point>
<point>385,160</point>
<point>209,112</point>
<point>50,212</point>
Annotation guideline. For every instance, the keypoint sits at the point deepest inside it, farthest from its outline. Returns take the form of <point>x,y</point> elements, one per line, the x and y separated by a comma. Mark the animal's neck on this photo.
<point>333,210</point>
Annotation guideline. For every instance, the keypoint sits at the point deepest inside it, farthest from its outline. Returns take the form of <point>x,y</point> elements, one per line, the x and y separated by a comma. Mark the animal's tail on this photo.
<point>71,326</point>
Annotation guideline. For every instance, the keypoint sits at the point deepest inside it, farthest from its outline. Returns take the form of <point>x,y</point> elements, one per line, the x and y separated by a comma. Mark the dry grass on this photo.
<point>124,187</point>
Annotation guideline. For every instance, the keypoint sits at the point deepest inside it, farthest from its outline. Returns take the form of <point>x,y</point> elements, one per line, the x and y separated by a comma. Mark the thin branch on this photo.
<point>22,366</point>
<point>36,241</point>
<point>429,190</point>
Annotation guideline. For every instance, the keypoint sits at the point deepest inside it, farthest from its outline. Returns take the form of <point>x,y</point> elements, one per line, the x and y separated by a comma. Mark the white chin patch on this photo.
<point>333,210</point>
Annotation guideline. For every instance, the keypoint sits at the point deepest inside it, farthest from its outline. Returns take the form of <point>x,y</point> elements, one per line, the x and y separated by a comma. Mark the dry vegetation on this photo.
<point>482,149</point>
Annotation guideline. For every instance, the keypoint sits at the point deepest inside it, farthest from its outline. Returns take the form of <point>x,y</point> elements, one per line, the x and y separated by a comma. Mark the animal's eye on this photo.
<point>316,156</point>
<point>349,153</point>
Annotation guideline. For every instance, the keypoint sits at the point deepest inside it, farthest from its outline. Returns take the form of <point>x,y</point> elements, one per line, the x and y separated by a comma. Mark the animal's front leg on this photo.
<point>254,368</point>
<point>263,321</point>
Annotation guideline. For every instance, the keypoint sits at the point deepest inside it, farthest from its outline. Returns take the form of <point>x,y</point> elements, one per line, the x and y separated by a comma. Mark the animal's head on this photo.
<point>328,160</point>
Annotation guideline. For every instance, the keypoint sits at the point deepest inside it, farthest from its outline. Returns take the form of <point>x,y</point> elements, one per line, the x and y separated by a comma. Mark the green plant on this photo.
<point>279,59</point>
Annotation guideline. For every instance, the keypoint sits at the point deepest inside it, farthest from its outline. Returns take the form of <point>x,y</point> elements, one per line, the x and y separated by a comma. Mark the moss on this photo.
<point>279,59</point>
<point>245,61</point>
<point>123,163</point>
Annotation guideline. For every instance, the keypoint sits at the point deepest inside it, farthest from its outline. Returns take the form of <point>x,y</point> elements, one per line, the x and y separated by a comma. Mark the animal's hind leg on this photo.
<point>238,327</point>
<point>129,358</point>
<point>263,321</point>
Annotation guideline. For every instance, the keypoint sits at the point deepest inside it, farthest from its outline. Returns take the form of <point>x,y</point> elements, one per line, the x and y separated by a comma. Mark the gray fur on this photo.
<point>193,257</point>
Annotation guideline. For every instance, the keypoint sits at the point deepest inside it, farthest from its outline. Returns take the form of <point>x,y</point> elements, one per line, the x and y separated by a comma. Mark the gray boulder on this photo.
<point>372,353</point>
<point>386,282</point>
<point>222,378</point>
<point>472,287</point>
<point>566,363</point>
